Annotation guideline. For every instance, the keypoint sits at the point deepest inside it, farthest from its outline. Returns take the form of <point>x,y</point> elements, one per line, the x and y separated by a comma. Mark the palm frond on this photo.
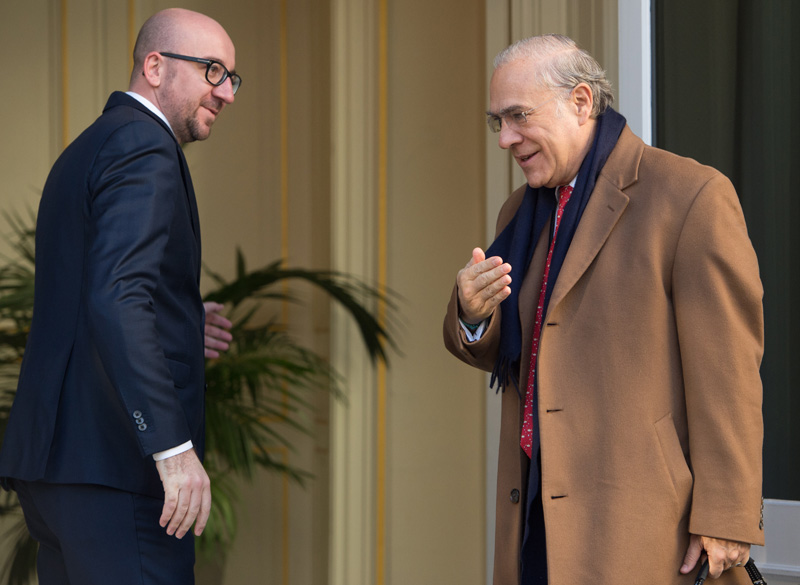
<point>355,296</point>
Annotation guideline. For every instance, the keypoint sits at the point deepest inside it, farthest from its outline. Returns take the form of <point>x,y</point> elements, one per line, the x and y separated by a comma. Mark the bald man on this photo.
<point>105,438</point>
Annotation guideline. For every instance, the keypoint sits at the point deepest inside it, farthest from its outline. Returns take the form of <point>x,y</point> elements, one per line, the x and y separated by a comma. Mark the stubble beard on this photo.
<point>197,129</point>
<point>192,129</point>
<point>189,127</point>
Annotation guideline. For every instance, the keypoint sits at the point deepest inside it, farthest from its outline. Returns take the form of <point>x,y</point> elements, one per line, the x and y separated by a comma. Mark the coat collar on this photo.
<point>119,98</point>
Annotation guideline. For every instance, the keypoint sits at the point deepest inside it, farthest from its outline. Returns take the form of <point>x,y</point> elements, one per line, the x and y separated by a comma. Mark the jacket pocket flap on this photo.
<point>179,371</point>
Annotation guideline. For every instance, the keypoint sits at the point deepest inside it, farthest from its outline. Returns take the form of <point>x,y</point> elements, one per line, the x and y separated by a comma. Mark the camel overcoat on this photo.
<point>649,392</point>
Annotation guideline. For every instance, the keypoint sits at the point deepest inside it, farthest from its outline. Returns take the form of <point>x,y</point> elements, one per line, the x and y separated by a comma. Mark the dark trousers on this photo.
<point>533,555</point>
<point>94,535</point>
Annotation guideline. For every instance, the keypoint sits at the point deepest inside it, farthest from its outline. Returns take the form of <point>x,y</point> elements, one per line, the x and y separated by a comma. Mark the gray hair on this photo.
<point>562,65</point>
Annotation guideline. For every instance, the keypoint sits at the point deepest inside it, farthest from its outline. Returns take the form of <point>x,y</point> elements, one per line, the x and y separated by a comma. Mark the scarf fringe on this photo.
<point>505,369</point>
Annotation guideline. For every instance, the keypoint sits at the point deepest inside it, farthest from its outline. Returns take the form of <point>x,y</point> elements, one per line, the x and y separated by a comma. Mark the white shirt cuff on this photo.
<point>473,336</point>
<point>172,452</point>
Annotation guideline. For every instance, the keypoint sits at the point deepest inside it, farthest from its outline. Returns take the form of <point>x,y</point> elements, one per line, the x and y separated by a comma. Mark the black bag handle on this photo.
<point>749,566</point>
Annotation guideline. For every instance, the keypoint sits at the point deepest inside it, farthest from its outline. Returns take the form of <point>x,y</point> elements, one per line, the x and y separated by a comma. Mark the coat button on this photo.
<point>143,426</point>
<point>139,420</point>
<point>137,414</point>
<point>515,496</point>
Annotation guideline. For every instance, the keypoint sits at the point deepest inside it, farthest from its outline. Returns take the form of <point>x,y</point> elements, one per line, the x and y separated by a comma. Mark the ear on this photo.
<point>153,69</point>
<point>583,101</point>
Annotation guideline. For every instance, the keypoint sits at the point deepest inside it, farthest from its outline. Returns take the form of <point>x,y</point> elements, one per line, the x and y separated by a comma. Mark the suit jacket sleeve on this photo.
<point>135,181</point>
<point>718,310</point>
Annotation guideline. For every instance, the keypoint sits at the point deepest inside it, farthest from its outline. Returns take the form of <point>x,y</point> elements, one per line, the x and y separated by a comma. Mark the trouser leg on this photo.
<point>94,535</point>
<point>49,560</point>
<point>533,554</point>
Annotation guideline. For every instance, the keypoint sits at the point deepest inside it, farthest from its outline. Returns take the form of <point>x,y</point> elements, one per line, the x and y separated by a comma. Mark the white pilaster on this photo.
<point>635,66</point>
<point>353,208</point>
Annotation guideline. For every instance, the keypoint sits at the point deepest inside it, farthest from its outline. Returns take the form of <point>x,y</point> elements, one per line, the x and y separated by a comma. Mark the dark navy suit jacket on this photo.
<point>113,370</point>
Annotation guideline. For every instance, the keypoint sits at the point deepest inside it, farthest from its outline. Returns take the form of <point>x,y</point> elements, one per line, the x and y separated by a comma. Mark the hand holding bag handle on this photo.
<point>749,566</point>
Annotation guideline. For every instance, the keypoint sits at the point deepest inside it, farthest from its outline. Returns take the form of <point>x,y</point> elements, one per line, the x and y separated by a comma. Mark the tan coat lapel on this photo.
<point>605,207</point>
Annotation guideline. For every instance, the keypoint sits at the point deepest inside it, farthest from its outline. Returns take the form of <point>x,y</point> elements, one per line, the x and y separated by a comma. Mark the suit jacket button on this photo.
<point>515,496</point>
<point>143,426</point>
<point>139,420</point>
<point>137,414</point>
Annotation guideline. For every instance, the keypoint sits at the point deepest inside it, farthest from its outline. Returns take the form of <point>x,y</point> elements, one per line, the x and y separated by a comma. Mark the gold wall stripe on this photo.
<point>64,76</point>
<point>284,98</point>
<point>383,131</point>
<point>285,532</point>
<point>284,117</point>
<point>283,453</point>
<point>132,32</point>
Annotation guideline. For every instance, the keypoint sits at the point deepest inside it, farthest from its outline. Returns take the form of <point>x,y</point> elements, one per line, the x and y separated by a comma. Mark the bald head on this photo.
<point>170,31</point>
<point>174,53</point>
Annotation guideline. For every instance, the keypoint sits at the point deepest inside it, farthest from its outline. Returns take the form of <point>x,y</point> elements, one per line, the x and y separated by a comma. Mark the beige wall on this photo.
<point>436,203</point>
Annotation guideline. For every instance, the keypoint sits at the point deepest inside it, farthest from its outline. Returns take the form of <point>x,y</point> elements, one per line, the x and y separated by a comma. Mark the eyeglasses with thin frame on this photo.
<point>216,72</point>
<point>513,119</point>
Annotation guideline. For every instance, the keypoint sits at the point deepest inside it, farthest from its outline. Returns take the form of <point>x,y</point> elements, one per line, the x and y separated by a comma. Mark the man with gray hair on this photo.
<point>619,311</point>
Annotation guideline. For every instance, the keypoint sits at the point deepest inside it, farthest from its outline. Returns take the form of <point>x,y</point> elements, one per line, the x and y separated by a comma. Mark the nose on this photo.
<point>224,91</point>
<point>508,137</point>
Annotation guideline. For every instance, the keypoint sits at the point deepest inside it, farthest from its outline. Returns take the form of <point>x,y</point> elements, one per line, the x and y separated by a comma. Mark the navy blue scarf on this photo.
<point>516,242</point>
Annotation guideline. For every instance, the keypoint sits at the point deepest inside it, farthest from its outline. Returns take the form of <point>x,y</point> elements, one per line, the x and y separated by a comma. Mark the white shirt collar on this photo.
<point>149,105</point>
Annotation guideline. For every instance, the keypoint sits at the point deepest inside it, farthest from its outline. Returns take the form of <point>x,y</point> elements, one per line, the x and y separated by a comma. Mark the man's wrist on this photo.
<point>161,455</point>
<point>473,327</point>
<point>472,331</point>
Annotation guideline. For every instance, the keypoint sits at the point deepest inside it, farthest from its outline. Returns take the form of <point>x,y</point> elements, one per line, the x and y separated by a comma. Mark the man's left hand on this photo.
<point>722,554</point>
<point>217,334</point>
<point>187,494</point>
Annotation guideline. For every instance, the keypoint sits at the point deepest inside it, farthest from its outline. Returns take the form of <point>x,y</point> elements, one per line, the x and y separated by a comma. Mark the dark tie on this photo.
<point>526,440</point>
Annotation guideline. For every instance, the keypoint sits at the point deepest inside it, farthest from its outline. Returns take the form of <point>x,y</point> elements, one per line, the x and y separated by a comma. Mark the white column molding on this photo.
<point>498,186</point>
<point>535,17</point>
<point>610,45</point>
<point>635,67</point>
<point>499,164</point>
<point>354,217</point>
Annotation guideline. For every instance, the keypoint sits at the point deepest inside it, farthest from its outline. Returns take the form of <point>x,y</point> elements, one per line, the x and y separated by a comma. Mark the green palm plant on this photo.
<point>258,390</point>
<point>16,310</point>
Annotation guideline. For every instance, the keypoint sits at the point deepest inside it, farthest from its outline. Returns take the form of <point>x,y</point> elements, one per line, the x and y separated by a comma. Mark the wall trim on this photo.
<point>779,558</point>
<point>355,114</point>
<point>64,30</point>
<point>636,67</point>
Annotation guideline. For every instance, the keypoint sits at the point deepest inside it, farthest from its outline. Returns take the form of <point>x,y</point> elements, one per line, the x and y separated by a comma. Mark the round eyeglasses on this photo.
<point>513,120</point>
<point>216,72</point>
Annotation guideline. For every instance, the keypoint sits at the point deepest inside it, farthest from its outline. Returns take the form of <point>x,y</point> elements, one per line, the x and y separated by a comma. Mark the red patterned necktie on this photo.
<point>526,440</point>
